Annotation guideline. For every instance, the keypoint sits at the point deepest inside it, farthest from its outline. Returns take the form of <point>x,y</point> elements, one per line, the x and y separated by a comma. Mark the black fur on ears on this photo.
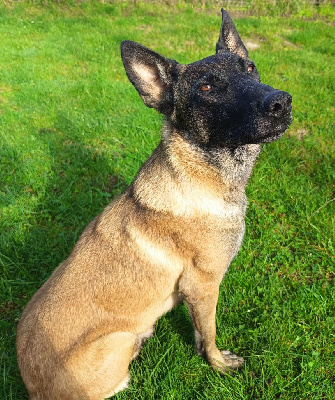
<point>229,39</point>
<point>151,74</point>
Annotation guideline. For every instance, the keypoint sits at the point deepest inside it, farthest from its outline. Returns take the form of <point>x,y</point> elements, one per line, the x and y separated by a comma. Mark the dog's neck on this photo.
<point>224,165</point>
<point>181,179</point>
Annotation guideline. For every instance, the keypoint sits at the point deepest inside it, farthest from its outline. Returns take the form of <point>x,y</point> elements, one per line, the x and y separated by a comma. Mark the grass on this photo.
<point>73,133</point>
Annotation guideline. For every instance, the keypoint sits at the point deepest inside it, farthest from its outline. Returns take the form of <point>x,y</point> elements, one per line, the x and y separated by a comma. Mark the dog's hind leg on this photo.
<point>98,369</point>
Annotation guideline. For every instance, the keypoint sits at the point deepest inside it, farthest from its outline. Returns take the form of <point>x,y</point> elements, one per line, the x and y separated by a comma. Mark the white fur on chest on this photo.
<point>197,202</point>
<point>190,200</point>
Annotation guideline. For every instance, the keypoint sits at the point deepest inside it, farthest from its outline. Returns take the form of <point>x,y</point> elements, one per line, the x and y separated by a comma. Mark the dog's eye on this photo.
<point>251,68</point>
<point>206,88</point>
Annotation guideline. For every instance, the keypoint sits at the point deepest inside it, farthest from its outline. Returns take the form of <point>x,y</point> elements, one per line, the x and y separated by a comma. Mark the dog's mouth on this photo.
<point>272,130</point>
<point>276,118</point>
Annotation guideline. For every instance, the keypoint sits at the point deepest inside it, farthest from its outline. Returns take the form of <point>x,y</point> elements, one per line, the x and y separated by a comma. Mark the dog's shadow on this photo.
<point>79,181</point>
<point>179,321</point>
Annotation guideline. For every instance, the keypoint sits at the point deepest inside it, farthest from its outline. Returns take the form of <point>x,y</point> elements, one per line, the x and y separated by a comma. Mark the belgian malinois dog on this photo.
<point>170,236</point>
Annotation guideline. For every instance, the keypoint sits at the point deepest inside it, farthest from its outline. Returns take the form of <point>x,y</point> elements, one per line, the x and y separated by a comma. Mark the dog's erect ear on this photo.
<point>229,39</point>
<point>151,74</point>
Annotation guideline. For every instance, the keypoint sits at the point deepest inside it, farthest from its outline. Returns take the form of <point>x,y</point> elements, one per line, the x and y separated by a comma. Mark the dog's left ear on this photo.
<point>229,39</point>
<point>151,74</point>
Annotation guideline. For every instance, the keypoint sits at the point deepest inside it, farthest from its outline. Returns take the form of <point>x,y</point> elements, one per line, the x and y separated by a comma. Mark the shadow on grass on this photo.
<point>180,322</point>
<point>81,181</point>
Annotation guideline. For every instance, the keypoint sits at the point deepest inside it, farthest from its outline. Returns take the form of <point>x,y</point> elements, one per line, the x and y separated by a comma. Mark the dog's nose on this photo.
<point>277,103</point>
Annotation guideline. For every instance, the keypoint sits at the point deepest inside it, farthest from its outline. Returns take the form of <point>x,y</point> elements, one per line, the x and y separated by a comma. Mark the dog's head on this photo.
<point>215,102</point>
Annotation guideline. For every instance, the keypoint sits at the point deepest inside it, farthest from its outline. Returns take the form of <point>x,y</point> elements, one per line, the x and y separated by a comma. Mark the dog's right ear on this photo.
<point>151,74</point>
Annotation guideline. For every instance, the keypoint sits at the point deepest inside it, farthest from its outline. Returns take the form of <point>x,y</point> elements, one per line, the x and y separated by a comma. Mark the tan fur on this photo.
<point>133,260</point>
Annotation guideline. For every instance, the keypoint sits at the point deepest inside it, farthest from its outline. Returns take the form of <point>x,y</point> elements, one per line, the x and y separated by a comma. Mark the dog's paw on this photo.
<point>228,362</point>
<point>231,360</point>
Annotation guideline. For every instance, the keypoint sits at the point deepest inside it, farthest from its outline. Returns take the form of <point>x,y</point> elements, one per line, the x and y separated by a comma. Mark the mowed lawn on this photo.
<point>74,132</point>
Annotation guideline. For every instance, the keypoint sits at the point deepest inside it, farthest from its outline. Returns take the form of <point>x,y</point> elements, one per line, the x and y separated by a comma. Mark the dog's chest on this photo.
<point>194,201</point>
<point>201,203</point>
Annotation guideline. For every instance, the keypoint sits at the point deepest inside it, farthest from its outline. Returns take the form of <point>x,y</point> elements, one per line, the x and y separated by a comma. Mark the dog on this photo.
<point>169,237</point>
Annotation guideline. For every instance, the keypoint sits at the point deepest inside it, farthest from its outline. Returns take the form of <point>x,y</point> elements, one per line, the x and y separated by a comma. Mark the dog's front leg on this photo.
<point>201,293</point>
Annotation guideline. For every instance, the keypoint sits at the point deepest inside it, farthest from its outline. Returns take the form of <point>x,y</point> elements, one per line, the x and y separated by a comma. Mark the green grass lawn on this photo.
<point>73,133</point>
